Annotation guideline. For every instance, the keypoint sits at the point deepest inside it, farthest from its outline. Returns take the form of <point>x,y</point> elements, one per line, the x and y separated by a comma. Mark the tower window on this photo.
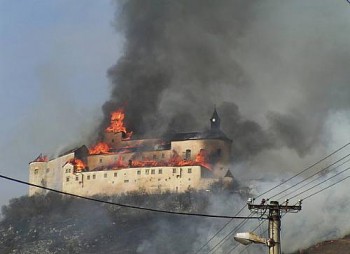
<point>188,154</point>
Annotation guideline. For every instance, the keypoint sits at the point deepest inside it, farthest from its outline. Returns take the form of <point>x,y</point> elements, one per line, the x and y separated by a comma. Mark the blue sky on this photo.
<point>53,61</point>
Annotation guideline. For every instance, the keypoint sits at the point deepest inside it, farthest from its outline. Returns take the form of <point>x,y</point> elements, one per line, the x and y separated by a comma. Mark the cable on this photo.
<point>226,237</point>
<point>222,228</point>
<point>304,170</point>
<point>287,194</point>
<point>326,157</point>
<point>322,170</point>
<point>323,182</point>
<point>124,205</point>
<point>326,187</point>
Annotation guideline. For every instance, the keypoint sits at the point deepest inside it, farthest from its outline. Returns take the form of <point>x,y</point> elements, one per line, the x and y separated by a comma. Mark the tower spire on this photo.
<point>215,120</point>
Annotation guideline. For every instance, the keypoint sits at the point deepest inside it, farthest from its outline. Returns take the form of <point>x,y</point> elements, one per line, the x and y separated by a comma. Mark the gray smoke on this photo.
<point>282,64</point>
<point>277,71</point>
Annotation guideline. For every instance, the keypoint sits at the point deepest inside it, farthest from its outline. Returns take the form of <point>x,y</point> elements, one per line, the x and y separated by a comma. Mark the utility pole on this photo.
<point>274,216</point>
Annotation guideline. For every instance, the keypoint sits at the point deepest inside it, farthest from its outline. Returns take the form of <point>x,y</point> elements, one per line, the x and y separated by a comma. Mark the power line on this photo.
<point>304,170</point>
<point>299,188</point>
<point>127,206</point>
<point>223,240</point>
<point>320,171</point>
<point>317,192</point>
<point>222,228</point>
<point>340,172</point>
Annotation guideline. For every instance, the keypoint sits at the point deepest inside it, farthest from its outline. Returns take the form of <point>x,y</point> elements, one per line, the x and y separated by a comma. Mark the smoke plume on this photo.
<point>273,73</point>
<point>276,72</point>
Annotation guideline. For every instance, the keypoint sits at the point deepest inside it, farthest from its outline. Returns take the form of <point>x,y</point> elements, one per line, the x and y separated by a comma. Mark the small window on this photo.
<point>174,170</point>
<point>112,140</point>
<point>126,181</point>
<point>153,171</point>
<point>189,179</point>
<point>93,176</point>
<point>100,160</point>
<point>115,174</point>
<point>147,171</point>
<point>188,154</point>
<point>154,157</point>
<point>189,170</point>
<point>67,179</point>
<point>47,170</point>
<point>88,177</point>
<point>218,152</point>
<point>36,171</point>
<point>139,172</point>
<point>105,175</point>
<point>160,171</point>
<point>163,155</point>
<point>76,178</point>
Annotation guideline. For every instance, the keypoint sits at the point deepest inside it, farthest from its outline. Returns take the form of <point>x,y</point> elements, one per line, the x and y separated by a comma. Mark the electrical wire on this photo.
<point>304,170</point>
<point>223,240</point>
<point>317,192</point>
<point>125,205</point>
<point>320,171</point>
<point>340,172</point>
<point>308,183</point>
<point>218,232</point>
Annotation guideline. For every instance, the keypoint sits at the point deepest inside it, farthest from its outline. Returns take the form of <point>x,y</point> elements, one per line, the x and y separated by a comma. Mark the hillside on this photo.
<point>57,224</point>
<point>336,246</point>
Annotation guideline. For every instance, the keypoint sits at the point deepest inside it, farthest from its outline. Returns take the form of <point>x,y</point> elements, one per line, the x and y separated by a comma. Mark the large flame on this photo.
<point>79,165</point>
<point>99,148</point>
<point>175,161</point>
<point>117,123</point>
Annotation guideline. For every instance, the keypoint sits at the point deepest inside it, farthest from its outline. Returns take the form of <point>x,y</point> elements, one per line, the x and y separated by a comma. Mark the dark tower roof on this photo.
<point>215,121</point>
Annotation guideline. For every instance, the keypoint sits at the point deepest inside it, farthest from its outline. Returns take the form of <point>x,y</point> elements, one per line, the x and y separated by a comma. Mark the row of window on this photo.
<point>36,171</point>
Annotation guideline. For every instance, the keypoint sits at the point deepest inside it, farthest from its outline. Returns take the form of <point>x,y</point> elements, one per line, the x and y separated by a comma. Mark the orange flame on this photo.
<point>175,160</point>
<point>99,148</point>
<point>117,123</point>
<point>79,165</point>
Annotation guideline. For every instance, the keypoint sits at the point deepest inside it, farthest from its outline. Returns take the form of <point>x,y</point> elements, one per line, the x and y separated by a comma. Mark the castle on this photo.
<point>120,164</point>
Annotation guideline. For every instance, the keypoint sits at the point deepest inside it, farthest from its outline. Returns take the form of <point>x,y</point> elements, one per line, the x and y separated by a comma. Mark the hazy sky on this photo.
<point>53,61</point>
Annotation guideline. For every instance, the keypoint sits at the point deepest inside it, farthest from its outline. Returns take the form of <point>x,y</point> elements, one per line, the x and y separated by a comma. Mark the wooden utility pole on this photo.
<point>274,216</point>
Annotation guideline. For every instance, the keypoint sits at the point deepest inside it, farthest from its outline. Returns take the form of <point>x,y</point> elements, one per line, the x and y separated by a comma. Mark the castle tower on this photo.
<point>215,121</point>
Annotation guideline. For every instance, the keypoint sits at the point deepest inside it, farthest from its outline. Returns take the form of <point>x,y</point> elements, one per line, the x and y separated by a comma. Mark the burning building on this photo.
<point>120,163</point>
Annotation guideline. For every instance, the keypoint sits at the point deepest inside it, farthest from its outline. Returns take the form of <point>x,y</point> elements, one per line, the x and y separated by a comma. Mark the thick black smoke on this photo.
<point>183,57</point>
